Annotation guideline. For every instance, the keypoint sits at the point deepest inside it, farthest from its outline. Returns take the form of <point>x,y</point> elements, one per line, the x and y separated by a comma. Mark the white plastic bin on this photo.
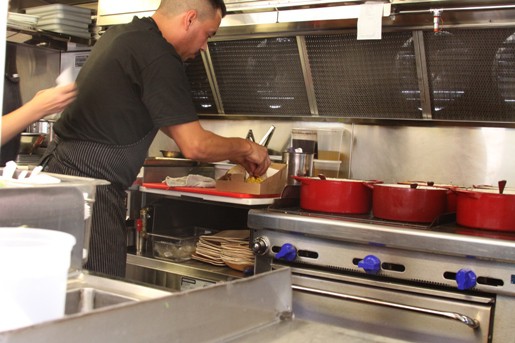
<point>34,267</point>
<point>329,144</point>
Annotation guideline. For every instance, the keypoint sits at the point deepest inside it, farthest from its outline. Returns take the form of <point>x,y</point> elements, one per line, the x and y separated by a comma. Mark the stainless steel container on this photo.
<point>299,164</point>
<point>45,127</point>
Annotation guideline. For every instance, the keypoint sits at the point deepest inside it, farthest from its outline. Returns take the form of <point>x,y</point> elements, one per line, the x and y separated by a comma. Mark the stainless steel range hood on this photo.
<point>242,12</point>
<point>265,16</point>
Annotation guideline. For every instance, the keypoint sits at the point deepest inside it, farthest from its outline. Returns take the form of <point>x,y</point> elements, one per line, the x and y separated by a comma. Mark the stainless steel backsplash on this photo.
<point>462,156</point>
<point>457,155</point>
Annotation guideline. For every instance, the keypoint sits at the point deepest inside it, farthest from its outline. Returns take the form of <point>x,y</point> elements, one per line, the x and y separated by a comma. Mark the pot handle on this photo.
<point>451,189</point>
<point>301,179</point>
<point>370,183</point>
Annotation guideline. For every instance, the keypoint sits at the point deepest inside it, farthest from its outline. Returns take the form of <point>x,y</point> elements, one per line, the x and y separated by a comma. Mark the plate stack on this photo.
<point>226,248</point>
<point>22,21</point>
<point>65,19</point>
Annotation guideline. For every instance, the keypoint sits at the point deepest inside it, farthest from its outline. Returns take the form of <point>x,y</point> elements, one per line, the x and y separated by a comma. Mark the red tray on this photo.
<point>206,191</point>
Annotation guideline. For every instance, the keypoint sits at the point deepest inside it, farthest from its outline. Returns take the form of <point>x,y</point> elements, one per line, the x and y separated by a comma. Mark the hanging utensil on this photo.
<point>266,138</point>
<point>250,136</point>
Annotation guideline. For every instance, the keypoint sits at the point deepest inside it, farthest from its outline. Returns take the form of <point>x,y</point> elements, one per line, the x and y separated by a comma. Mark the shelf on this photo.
<point>46,39</point>
<point>211,197</point>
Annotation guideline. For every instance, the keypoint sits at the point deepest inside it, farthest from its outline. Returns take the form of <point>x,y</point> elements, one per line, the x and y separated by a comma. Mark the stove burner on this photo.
<point>369,218</point>
<point>445,223</point>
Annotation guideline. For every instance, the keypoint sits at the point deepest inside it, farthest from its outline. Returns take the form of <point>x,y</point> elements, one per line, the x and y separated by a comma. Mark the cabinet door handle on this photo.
<point>470,322</point>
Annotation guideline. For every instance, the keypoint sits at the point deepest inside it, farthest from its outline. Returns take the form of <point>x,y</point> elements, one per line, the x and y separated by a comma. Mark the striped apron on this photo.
<point>120,166</point>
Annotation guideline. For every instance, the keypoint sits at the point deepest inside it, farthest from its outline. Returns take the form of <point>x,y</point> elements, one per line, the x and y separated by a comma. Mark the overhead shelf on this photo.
<point>45,39</point>
<point>52,26</point>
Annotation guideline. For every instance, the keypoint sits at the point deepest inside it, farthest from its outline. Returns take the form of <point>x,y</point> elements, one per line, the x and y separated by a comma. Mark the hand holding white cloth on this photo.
<point>192,180</point>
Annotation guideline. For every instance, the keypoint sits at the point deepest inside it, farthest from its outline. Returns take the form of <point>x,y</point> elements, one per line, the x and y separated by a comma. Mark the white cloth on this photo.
<point>192,180</point>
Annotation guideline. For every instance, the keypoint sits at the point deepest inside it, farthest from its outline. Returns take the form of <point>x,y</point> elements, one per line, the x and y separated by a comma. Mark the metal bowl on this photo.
<point>171,154</point>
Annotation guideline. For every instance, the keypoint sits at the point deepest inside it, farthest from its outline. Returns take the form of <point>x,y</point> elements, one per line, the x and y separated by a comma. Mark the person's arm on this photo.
<point>45,102</point>
<point>198,144</point>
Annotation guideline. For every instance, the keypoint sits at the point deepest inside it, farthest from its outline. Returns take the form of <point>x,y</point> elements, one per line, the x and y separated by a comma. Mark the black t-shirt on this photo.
<point>133,81</point>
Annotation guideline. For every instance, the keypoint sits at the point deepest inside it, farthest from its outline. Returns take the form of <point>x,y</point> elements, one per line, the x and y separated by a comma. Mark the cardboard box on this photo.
<point>234,181</point>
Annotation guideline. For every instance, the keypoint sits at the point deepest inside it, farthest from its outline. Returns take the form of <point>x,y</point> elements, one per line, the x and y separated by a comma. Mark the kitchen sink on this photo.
<point>88,293</point>
<point>89,299</point>
<point>102,309</point>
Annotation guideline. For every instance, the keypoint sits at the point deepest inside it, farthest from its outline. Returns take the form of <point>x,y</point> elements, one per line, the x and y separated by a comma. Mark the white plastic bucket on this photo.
<point>34,266</point>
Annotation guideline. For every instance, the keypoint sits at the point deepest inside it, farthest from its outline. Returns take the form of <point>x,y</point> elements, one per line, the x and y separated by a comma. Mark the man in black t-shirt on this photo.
<point>132,85</point>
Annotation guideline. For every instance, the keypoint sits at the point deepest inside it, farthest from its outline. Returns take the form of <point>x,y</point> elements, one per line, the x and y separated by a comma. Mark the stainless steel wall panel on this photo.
<point>456,155</point>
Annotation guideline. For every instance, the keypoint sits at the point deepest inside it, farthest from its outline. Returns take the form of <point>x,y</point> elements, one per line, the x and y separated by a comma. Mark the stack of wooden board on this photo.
<point>65,19</point>
<point>228,247</point>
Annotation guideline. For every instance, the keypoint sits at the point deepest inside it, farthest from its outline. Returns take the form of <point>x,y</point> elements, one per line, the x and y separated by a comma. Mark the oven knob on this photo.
<point>371,264</point>
<point>466,279</point>
<point>287,252</point>
<point>260,246</point>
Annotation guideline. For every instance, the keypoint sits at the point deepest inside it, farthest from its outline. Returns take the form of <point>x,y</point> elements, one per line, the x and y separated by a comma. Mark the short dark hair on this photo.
<point>219,4</point>
<point>178,6</point>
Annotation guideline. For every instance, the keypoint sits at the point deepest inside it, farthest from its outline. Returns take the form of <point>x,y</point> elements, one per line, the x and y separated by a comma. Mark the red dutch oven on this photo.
<point>335,195</point>
<point>408,203</point>
<point>487,209</point>
<point>451,196</point>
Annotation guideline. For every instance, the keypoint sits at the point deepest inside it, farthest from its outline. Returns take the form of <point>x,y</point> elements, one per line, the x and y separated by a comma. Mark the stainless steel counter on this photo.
<point>254,309</point>
<point>308,331</point>
<point>287,330</point>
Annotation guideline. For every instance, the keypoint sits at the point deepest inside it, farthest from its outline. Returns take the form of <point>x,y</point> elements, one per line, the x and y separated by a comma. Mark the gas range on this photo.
<point>438,270</point>
<point>400,250</point>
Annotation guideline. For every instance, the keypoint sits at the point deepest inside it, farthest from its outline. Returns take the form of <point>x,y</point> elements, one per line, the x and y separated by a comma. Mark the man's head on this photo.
<point>188,24</point>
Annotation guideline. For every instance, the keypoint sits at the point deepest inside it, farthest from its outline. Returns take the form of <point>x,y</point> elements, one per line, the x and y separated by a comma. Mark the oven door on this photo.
<point>401,311</point>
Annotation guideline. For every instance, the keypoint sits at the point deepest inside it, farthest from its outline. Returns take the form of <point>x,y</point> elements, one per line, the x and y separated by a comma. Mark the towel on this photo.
<point>192,180</point>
